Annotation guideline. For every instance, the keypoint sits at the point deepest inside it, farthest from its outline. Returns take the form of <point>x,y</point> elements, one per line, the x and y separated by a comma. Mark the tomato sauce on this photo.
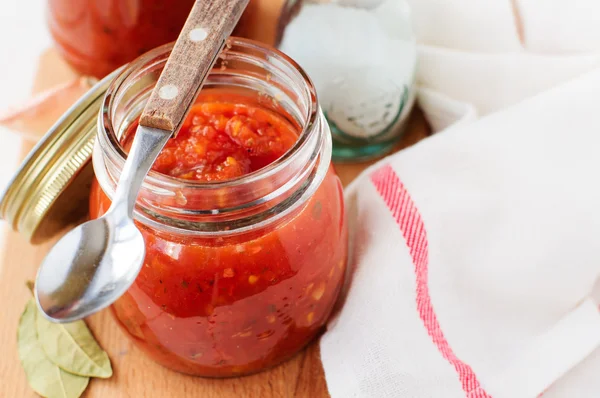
<point>223,140</point>
<point>224,306</point>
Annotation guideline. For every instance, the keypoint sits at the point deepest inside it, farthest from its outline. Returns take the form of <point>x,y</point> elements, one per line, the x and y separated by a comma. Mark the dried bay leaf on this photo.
<point>43,376</point>
<point>72,347</point>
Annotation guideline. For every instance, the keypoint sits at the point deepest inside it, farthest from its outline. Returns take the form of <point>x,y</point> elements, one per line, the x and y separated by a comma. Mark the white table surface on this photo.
<point>23,36</point>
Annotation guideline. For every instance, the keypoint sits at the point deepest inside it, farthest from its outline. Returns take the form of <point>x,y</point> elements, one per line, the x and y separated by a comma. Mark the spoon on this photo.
<point>95,263</point>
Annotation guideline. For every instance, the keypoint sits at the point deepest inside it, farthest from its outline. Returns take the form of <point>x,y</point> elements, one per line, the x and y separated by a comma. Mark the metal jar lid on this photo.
<point>51,187</point>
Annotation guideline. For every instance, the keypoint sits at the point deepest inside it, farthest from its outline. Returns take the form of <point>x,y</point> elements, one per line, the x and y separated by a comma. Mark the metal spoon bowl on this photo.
<point>95,263</point>
<point>78,290</point>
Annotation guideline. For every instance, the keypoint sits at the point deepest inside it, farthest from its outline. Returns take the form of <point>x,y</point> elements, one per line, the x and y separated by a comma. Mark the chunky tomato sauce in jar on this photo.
<point>225,136</point>
<point>242,215</point>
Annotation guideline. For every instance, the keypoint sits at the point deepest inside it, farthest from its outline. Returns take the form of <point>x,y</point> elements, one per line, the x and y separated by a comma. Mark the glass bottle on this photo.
<point>361,56</point>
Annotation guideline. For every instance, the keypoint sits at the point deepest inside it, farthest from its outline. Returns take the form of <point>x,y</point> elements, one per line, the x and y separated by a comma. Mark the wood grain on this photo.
<point>135,375</point>
<point>203,36</point>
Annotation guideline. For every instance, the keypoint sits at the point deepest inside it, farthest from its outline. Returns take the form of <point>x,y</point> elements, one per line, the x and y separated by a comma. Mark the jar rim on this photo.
<point>170,181</point>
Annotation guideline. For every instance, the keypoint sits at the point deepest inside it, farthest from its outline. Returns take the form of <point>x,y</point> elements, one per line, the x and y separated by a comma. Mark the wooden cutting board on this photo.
<point>134,374</point>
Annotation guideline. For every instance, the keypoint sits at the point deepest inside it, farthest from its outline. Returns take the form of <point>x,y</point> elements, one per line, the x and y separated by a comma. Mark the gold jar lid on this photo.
<point>50,188</point>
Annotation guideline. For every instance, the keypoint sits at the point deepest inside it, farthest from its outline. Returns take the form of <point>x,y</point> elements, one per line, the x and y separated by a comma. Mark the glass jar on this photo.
<point>239,275</point>
<point>98,36</point>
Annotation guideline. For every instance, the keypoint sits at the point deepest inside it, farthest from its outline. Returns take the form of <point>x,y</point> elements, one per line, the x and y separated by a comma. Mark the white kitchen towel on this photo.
<point>474,257</point>
<point>443,111</point>
<point>494,53</point>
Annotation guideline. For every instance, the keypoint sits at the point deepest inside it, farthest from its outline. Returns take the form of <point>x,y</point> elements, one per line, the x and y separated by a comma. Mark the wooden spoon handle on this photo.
<point>208,26</point>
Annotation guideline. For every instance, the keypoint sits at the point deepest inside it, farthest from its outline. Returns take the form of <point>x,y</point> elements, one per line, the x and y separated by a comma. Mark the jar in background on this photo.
<point>239,275</point>
<point>98,36</point>
<point>361,56</point>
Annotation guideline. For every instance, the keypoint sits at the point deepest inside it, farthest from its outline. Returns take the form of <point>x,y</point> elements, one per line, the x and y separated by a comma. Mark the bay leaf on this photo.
<point>73,348</point>
<point>44,377</point>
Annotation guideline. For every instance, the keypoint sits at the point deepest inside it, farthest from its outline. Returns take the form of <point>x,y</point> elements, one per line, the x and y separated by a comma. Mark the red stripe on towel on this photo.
<point>408,218</point>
